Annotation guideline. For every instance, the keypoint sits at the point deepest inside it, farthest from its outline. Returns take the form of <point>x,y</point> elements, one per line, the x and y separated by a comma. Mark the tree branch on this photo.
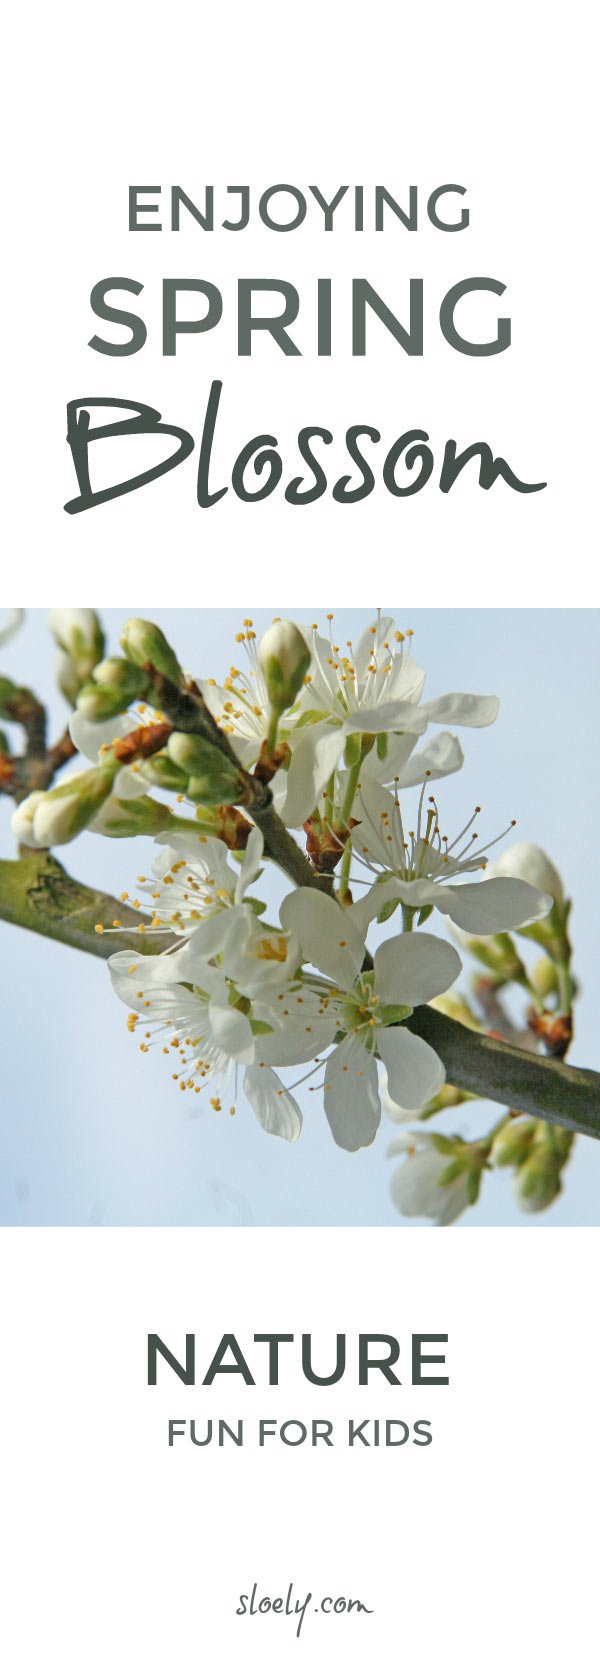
<point>549,1090</point>
<point>186,710</point>
<point>36,893</point>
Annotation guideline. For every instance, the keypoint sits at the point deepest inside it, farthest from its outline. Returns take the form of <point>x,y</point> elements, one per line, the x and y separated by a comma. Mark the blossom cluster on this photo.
<point>315,756</point>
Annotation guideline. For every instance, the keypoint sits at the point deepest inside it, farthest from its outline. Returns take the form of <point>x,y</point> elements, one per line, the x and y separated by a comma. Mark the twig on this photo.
<point>553,1091</point>
<point>186,710</point>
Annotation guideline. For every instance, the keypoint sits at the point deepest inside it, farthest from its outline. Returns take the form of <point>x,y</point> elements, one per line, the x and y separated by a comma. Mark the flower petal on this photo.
<point>351,1096</point>
<point>412,968</point>
<point>414,1072</point>
<point>327,936</point>
<point>415,1185</point>
<point>440,757</point>
<point>232,1031</point>
<point>314,760</point>
<point>251,862</point>
<point>273,1106</point>
<point>476,710</point>
<point>529,862</point>
<point>390,714</point>
<point>90,737</point>
<point>494,906</point>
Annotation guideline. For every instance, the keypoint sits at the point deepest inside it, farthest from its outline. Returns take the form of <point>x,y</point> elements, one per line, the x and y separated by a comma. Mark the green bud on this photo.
<point>284,659</point>
<point>61,814</point>
<point>120,819</point>
<point>500,955</point>
<point>144,644</point>
<point>512,1143</point>
<point>211,776</point>
<point>160,771</point>
<point>545,977</point>
<point>67,678</point>
<point>116,685</point>
<point>537,1182</point>
<point>555,1138</point>
<point>79,634</point>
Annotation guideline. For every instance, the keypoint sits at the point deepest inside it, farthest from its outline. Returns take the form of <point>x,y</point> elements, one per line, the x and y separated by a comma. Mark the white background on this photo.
<point>123,1558</point>
<point>500,102</point>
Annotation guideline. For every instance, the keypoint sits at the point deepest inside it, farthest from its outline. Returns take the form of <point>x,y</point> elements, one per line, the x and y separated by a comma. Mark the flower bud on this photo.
<point>530,863</point>
<point>78,632</point>
<point>537,1182</point>
<point>62,813</point>
<point>212,778</point>
<point>67,678</point>
<point>161,771</point>
<point>144,644</point>
<point>494,951</point>
<point>22,819</point>
<point>545,977</point>
<point>116,685</point>
<point>121,819</point>
<point>512,1143</point>
<point>284,659</point>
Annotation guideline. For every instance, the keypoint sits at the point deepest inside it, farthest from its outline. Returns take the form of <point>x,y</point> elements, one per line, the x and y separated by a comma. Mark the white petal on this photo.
<point>391,714</point>
<point>207,940</point>
<point>351,1096</point>
<point>368,640</point>
<point>417,1192</point>
<point>530,863</point>
<point>128,784</point>
<point>439,757</point>
<point>327,936</point>
<point>414,1072</point>
<point>90,737</point>
<point>399,749</point>
<point>251,864</point>
<point>365,910</point>
<point>314,760</point>
<point>232,1031</point>
<point>414,967</point>
<point>277,1111</point>
<point>476,710</point>
<point>494,906</point>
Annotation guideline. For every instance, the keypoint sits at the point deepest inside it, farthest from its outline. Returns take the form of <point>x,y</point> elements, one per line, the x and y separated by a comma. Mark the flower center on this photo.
<point>271,949</point>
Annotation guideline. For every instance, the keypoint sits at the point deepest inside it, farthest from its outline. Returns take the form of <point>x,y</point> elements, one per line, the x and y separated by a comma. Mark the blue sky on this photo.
<point>94,1133</point>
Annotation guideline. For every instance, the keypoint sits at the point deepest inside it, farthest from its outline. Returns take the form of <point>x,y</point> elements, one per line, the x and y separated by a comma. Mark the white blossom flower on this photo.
<point>241,704</point>
<point>193,880</point>
<point>93,741</point>
<point>210,1039</point>
<point>530,863</point>
<point>418,867</point>
<point>418,1187</point>
<point>256,959</point>
<point>368,1008</point>
<point>375,689</point>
